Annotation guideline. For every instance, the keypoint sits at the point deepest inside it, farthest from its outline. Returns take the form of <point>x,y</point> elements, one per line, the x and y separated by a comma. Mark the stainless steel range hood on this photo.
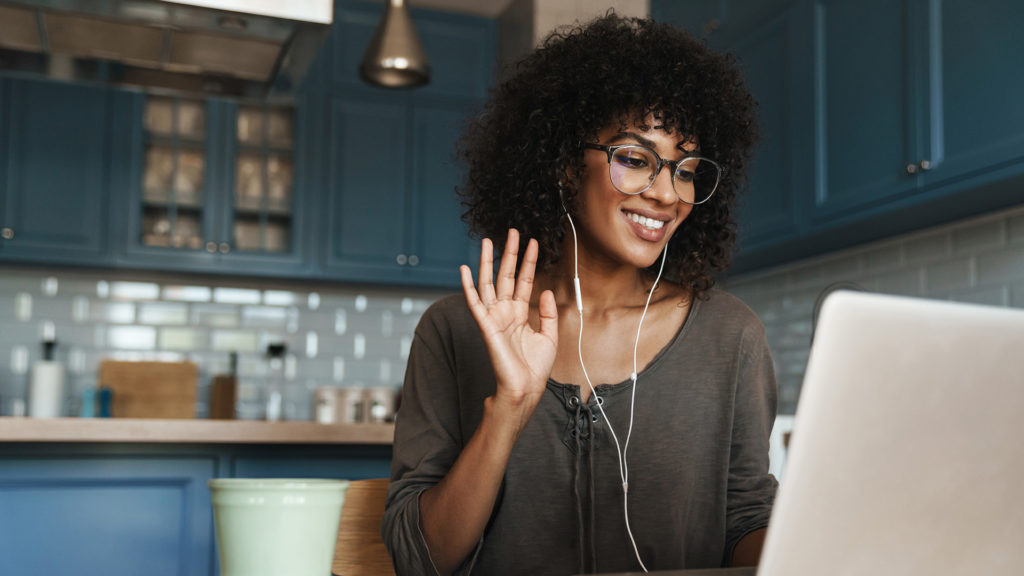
<point>237,48</point>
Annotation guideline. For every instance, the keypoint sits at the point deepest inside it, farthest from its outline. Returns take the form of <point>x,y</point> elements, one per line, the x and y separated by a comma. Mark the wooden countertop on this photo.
<point>190,431</point>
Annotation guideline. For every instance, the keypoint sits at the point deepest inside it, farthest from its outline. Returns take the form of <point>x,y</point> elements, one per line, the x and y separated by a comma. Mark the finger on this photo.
<point>549,316</point>
<point>472,298</point>
<point>485,285</point>
<point>507,267</point>
<point>524,284</point>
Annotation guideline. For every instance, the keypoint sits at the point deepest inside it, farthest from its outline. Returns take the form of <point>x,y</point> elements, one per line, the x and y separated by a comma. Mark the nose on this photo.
<point>662,189</point>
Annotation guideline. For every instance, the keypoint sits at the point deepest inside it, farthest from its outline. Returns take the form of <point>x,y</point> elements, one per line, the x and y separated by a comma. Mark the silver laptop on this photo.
<point>907,453</point>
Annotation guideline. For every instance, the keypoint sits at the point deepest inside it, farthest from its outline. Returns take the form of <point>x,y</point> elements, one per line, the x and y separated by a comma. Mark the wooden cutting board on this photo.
<point>150,389</point>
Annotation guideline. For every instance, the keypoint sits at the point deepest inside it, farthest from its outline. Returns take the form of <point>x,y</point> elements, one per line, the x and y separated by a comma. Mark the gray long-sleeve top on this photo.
<point>698,455</point>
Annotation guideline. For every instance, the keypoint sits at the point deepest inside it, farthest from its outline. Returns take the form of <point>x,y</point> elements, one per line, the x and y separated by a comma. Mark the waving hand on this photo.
<point>522,357</point>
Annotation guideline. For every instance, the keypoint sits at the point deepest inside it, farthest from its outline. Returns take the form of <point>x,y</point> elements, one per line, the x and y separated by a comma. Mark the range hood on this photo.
<point>252,49</point>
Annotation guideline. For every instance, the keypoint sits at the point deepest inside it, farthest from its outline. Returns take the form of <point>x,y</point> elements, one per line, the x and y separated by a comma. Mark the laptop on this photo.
<point>907,452</point>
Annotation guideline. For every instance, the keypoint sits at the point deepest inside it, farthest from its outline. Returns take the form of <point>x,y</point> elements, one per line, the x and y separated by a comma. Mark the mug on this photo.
<point>275,526</point>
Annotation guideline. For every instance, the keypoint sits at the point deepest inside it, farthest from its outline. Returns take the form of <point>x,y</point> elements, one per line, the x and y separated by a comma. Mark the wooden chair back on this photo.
<point>360,550</point>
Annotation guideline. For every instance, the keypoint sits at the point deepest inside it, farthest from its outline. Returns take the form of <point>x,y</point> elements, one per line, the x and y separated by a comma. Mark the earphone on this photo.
<point>619,451</point>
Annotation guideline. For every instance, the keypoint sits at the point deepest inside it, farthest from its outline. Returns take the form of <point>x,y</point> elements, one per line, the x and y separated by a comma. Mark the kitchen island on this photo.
<point>129,496</point>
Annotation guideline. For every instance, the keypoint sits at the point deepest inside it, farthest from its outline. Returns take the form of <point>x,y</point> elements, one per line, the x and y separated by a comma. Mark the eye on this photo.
<point>631,158</point>
<point>686,171</point>
<point>684,176</point>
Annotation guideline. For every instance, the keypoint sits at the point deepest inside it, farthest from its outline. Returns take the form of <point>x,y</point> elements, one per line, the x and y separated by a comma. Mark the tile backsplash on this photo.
<point>341,337</point>
<point>978,260</point>
<point>354,337</point>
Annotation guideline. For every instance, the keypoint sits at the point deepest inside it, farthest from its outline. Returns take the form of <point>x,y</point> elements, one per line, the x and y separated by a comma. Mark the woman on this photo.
<point>621,425</point>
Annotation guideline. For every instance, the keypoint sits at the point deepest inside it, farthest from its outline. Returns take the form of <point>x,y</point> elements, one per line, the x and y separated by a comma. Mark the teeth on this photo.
<point>646,222</point>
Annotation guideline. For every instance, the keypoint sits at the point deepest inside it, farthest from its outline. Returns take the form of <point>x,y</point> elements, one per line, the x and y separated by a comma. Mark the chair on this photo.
<point>360,550</point>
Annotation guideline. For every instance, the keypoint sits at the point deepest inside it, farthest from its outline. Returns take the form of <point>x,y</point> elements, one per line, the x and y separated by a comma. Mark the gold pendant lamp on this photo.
<point>395,57</point>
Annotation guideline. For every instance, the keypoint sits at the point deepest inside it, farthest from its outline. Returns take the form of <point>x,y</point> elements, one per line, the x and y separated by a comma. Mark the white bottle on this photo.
<point>275,384</point>
<point>46,389</point>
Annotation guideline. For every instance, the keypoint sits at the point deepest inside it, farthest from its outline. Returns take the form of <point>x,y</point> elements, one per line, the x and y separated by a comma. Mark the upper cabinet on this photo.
<point>348,183</point>
<point>877,117</point>
<point>212,186</point>
<point>391,211</point>
<point>54,189</point>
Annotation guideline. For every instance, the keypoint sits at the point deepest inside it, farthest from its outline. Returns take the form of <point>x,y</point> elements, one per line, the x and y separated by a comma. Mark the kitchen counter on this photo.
<point>130,430</point>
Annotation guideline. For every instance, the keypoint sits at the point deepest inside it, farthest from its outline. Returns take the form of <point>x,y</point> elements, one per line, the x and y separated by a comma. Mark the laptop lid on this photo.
<point>907,454</point>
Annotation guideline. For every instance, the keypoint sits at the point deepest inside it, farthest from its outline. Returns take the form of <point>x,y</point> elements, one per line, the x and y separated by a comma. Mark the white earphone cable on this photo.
<point>619,450</point>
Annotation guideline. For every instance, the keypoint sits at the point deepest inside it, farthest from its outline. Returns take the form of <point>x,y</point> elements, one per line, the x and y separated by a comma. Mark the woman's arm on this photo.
<point>454,513</point>
<point>748,550</point>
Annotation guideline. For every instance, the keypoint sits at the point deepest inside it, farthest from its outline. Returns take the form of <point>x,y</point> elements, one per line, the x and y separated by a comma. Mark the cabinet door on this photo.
<point>55,175</point>
<point>260,207</point>
<point>171,204</point>
<point>366,205</point>
<point>440,239</point>
<point>977,118</point>
<point>117,516</point>
<point>775,61</point>
<point>864,135</point>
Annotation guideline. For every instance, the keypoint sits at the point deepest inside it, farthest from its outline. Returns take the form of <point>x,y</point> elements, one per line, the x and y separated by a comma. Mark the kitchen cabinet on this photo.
<point>212,186</point>
<point>53,172</point>
<point>392,209</point>
<point>362,190</point>
<point>391,212</point>
<point>878,117</point>
<point>128,509</point>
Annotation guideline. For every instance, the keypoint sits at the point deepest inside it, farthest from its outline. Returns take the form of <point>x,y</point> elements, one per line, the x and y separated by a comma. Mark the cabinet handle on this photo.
<point>402,259</point>
<point>211,247</point>
<point>414,260</point>
<point>7,233</point>
<point>911,168</point>
<point>225,248</point>
<point>924,165</point>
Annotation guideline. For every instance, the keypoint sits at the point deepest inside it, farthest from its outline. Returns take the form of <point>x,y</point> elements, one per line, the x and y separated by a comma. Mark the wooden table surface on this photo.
<point>199,431</point>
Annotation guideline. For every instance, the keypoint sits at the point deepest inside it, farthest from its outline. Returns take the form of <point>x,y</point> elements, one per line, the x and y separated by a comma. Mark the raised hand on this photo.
<point>522,357</point>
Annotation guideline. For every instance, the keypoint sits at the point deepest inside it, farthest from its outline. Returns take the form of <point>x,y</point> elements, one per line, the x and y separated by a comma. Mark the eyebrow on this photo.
<point>650,143</point>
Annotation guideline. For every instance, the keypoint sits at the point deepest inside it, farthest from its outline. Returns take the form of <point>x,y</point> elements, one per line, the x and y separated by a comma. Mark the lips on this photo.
<point>648,226</point>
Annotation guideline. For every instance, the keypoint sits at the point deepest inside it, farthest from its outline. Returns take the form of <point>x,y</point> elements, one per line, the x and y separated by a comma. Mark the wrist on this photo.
<point>509,413</point>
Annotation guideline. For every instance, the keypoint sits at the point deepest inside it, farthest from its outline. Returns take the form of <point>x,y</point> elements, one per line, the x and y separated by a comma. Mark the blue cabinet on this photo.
<point>878,117</point>
<point>53,172</point>
<point>121,178</point>
<point>126,510</point>
<point>199,215</point>
<point>115,515</point>
<point>391,212</point>
<point>393,215</point>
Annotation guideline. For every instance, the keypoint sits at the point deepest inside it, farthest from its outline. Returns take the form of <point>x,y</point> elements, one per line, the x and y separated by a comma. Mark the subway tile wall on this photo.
<point>360,338</point>
<point>978,260</point>
<point>340,337</point>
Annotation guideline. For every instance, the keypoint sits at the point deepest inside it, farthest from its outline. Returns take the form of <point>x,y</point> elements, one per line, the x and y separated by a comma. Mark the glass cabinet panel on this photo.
<point>173,177</point>
<point>264,178</point>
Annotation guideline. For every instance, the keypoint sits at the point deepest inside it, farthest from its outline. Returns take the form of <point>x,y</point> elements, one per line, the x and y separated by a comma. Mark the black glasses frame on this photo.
<point>610,150</point>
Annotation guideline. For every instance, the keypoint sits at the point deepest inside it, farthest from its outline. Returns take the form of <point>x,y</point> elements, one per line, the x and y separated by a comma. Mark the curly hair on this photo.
<point>529,135</point>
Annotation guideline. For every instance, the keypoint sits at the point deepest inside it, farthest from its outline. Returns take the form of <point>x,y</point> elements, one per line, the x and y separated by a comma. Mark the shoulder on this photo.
<point>447,318</point>
<point>722,313</point>
<point>724,304</point>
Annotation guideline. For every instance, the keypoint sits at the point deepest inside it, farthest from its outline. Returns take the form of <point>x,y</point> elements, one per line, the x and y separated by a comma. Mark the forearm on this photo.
<point>454,513</point>
<point>748,549</point>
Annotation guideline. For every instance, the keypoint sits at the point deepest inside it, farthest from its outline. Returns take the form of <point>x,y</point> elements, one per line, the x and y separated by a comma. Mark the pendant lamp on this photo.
<point>395,57</point>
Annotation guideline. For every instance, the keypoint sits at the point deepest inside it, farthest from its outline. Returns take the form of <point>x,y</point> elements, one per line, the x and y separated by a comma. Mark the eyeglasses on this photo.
<point>633,168</point>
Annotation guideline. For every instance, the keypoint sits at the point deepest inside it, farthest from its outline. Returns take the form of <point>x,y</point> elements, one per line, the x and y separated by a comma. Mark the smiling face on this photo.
<point>623,230</point>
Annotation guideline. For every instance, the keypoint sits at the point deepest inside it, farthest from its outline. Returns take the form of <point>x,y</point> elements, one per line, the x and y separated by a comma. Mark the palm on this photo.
<point>521,356</point>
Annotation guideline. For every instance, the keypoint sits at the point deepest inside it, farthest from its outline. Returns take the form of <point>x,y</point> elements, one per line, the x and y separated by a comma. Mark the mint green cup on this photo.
<point>275,526</point>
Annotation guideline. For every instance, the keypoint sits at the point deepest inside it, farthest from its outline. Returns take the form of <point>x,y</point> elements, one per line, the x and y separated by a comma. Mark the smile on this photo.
<point>649,223</point>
